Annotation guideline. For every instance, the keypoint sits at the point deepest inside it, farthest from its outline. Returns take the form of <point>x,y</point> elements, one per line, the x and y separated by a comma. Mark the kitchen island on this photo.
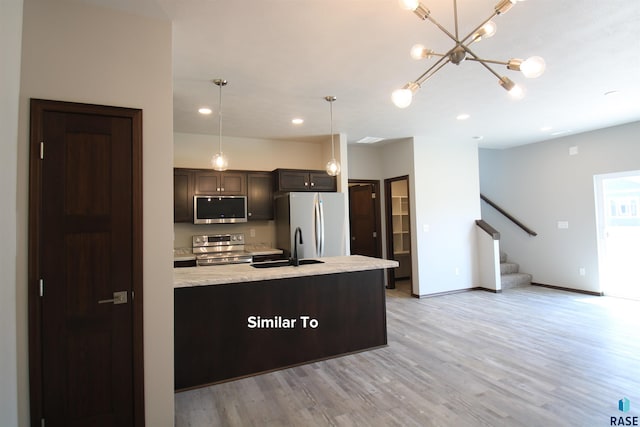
<point>234,321</point>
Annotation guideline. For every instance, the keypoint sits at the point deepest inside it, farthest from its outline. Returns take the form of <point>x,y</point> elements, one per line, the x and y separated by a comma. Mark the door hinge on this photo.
<point>375,234</point>
<point>373,195</point>
<point>41,287</point>
<point>41,422</point>
<point>41,150</point>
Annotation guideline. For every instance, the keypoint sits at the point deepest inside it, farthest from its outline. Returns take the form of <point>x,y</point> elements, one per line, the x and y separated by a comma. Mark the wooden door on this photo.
<point>364,220</point>
<point>85,245</point>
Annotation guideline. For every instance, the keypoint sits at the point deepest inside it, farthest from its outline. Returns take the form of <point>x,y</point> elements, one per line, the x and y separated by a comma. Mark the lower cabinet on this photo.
<point>231,331</point>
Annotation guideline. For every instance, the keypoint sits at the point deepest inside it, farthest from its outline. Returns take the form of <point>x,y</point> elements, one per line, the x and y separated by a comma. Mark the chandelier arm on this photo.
<point>478,28</point>
<point>490,61</point>
<point>481,61</point>
<point>455,17</point>
<point>427,74</point>
<point>423,77</point>
<point>443,29</point>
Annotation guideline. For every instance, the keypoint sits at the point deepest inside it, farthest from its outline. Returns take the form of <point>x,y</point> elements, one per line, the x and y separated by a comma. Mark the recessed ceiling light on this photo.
<point>369,140</point>
<point>204,110</point>
<point>297,121</point>
<point>462,116</point>
<point>478,137</point>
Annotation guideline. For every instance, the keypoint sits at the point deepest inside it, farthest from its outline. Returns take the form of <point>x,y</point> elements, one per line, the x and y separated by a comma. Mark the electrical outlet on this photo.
<point>252,232</point>
<point>583,272</point>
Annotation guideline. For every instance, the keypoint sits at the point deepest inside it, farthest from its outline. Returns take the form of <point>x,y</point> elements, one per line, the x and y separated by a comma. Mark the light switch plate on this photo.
<point>563,224</point>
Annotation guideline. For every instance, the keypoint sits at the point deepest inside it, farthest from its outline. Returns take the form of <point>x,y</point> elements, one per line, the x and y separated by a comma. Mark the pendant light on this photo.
<point>333,166</point>
<point>219,160</point>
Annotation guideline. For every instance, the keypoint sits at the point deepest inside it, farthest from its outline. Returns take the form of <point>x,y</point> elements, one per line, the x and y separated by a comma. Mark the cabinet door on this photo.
<point>207,182</point>
<point>293,180</point>
<point>233,183</point>
<point>320,181</point>
<point>183,195</point>
<point>259,196</point>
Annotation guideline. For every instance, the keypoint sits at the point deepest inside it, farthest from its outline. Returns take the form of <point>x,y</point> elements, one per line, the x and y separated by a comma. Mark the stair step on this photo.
<point>509,268</point>
<point>514,280</point>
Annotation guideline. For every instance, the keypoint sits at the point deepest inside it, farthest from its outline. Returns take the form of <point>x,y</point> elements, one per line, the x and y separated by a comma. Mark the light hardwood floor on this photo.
<point>526,357</point>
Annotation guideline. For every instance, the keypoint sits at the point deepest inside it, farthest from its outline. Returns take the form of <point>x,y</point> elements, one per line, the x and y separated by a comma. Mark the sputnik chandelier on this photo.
<point>532,67</point>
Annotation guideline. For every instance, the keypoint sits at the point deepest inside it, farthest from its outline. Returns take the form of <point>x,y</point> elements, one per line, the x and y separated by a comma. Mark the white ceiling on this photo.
<point>282,57</point>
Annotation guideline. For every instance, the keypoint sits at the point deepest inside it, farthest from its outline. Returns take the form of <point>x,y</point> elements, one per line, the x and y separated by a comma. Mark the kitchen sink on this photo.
<point>285,263</point>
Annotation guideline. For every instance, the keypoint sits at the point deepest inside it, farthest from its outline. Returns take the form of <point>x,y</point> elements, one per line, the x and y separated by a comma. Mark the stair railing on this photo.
<point>508,216</point>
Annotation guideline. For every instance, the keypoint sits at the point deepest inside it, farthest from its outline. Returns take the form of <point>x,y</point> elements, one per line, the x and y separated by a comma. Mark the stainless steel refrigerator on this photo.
<point>322,218</point>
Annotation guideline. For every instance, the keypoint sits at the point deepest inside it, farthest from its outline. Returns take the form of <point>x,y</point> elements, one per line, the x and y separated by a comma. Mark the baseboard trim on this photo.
<point>457,291</point>
<point>562,288</point>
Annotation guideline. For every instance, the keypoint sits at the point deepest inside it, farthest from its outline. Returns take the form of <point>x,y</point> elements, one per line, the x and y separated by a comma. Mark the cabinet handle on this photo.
<point>249,213</point>
<point>222,189</point>
<point>217,188</point>
<point>118,298</point>
<point>313,184</point>
<point>306,184</point>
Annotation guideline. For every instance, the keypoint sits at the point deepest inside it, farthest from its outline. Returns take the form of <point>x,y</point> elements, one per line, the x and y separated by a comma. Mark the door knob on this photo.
<point>119,297</point>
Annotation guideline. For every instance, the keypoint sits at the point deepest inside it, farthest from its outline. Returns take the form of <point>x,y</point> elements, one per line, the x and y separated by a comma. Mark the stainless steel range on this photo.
<point>220,249</point>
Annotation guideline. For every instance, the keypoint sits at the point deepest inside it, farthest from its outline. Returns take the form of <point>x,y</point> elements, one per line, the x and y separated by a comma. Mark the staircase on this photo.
<point>510,276</point>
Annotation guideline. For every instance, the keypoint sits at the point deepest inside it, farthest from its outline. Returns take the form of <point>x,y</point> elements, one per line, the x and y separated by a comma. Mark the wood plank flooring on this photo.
<point>529,356</point>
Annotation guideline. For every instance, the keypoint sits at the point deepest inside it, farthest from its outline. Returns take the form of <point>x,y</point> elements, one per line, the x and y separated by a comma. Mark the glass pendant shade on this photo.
<point>220,162</point>
<point>333,167</point>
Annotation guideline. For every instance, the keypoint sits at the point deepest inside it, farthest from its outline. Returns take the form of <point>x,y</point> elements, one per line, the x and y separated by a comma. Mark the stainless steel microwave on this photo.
<point>219,209</point>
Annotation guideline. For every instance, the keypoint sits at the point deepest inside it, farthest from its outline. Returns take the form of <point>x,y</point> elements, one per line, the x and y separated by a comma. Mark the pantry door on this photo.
<point>85,265</point>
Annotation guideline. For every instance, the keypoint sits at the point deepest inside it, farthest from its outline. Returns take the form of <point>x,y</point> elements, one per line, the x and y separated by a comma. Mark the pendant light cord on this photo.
<point>220,120</point>
<point>331,126</point>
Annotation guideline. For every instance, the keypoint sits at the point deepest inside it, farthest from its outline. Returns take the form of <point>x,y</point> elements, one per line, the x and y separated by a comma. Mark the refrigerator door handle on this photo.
<point>317,223</point>
<point>321,251</point>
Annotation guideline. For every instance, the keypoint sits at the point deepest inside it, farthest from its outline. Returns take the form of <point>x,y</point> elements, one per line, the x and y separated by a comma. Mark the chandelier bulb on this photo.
<point>533,67</point>
<point>409,4</point>
<point>402,97</point>
<point>418,52</point>
<point>487,30</point>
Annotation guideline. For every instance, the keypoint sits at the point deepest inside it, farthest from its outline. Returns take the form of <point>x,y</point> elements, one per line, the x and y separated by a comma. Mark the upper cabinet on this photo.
<point>259,195</point>
<point>257,186</point>
<point>209,182</point>
<point>303,180</point>
<point>183,186</point>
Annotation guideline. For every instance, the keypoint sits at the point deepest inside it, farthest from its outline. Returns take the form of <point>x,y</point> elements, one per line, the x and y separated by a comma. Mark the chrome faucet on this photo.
<point>297,238</point>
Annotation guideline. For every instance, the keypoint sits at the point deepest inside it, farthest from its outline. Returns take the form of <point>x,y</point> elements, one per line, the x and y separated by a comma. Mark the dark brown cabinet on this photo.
<point>259,196</point>
<point>183,186</point>
<point>303,180</point>
<point>233,183</point>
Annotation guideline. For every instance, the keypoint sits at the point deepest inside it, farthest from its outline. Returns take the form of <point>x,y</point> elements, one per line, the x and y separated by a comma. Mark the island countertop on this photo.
<point>240,273</point>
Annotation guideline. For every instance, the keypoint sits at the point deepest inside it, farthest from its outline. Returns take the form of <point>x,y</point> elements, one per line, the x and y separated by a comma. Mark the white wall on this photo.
<point>446,200</point>
<point>444,194</point>
<point>541,184</point>
<point>81,53</point>
<point>195,151</point>
<point>10,45</point>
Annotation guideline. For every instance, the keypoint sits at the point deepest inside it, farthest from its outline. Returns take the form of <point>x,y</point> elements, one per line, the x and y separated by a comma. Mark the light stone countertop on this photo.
<point>240,273</point>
